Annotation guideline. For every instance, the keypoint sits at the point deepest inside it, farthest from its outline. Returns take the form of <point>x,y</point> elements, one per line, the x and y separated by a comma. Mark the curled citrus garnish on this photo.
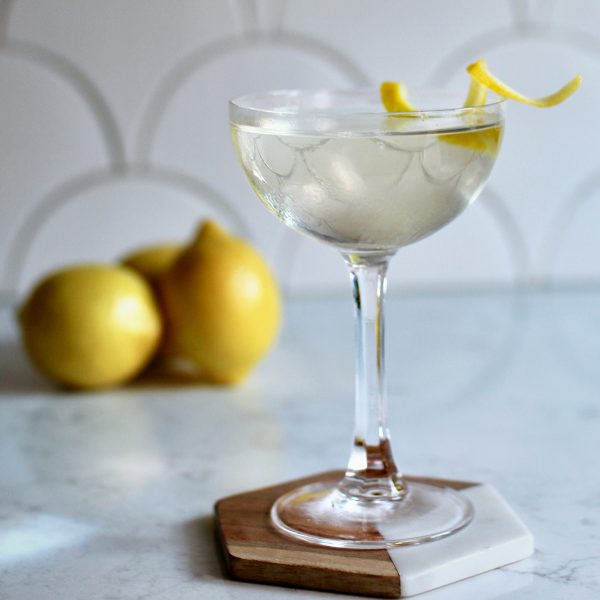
<point>394,96</point>
<point>484,140</point>
<point>477,94</point>
<point>480,72</point>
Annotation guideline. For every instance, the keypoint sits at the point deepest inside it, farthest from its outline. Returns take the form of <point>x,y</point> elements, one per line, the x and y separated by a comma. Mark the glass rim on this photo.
<point>244,103</point>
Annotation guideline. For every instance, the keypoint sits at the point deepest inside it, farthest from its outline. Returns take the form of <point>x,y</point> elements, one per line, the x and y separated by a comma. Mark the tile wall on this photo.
<point>114,133</point>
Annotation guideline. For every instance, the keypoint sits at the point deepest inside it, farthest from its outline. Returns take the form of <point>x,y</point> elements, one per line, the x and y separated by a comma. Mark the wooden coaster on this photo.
<point>255,551</point>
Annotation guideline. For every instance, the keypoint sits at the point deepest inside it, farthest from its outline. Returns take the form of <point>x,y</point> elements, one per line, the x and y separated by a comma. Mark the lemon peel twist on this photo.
<point>480,72</point>
<point>394,96</point>
<point>477,94</point>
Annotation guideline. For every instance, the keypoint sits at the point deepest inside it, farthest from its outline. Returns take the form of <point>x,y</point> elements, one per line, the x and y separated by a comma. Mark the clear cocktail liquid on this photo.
<point>368,192</point>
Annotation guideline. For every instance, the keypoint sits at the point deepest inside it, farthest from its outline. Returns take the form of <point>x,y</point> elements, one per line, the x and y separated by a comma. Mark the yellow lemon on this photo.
<point>152,261</point>
<point>222,304</point>
<point>91,326</point>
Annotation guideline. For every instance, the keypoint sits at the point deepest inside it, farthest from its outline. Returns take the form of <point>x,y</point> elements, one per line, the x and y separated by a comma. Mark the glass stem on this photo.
<point>371,474</point>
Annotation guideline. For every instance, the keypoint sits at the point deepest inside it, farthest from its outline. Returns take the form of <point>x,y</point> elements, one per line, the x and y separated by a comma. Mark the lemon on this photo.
<point>222,305</point>
<point>152,261</point>
<point>91,326</point>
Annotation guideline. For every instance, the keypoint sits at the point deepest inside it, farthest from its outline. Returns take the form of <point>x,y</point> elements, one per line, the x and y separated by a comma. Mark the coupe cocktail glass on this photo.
<point>335,166</point>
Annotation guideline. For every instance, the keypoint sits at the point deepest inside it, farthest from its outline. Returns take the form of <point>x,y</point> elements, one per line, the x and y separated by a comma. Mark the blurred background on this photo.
<point>114,131</point>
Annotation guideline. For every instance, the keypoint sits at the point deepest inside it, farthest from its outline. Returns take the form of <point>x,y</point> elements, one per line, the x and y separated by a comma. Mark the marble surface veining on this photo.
<point>494,538</point>
<point>109,495</point>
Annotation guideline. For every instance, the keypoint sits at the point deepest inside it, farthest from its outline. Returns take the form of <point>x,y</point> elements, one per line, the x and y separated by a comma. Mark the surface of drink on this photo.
<point>368,192</point>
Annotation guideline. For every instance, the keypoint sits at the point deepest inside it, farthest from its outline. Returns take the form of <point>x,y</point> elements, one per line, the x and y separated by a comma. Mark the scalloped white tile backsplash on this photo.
<point>114,133</point>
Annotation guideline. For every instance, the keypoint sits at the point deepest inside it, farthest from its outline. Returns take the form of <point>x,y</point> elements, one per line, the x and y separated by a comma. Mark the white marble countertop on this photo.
<point>109,495</point>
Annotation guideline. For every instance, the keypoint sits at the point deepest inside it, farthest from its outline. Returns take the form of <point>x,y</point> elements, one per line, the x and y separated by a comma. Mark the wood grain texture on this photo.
<point>255,551</point>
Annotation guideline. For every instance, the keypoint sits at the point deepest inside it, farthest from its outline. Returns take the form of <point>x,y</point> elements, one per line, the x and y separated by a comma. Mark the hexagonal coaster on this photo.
<point>255,551</point>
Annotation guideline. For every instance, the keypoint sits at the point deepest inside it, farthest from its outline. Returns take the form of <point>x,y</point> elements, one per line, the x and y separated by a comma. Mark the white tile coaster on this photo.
<point>494,538</point>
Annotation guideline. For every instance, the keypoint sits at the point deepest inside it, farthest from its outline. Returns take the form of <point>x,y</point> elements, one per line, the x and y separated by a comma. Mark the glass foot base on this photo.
<point>322,514</point>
